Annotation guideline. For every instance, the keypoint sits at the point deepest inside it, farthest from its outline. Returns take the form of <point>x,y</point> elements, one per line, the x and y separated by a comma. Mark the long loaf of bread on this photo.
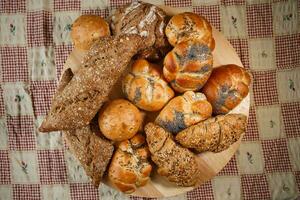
<point>215,134</point>
<point>82,97</point>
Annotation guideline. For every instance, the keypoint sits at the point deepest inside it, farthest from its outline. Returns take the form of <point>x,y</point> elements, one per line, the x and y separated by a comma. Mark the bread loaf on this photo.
<point>145,87</point>
<point>184,111</point>
<point>188,66</point>
<point>187,27</point>
<point>88,28</point>
<point>120,120</point>
<point>226,87</point>
<point>129,167</point>
<point>176,163</point>
<point>214,134</point>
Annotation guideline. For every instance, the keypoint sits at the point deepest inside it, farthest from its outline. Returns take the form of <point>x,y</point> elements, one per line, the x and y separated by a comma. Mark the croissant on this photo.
<point>214,134</point>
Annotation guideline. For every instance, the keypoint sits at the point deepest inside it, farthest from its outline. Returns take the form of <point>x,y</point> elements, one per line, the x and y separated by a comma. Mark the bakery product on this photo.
<point>88,28</point>
<point>93,151</point>
<point>83,96</point>
<point>145,87</point>
<point>184,111</point>
<point>226,87</point>
<point>176,163</point>
<point>120,120</point>
<point>189,26</point>
<point>214,134</point>
<point>131,19</point>
<point>129,167</point>
<point>107,59</point>
<point>188,66</point>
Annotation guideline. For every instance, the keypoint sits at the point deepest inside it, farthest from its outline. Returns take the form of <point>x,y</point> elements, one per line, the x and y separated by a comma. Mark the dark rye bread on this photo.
<point>176,163</point>
<point>80,100</point>
<point>214,134</point>
<point>93,151</point>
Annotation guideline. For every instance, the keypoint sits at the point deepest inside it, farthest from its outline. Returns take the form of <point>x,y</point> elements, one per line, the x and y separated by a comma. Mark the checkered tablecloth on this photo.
<point>35,42</point>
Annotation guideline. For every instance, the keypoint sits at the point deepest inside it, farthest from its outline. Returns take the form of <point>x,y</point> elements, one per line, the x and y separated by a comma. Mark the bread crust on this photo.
<point>227,86</point>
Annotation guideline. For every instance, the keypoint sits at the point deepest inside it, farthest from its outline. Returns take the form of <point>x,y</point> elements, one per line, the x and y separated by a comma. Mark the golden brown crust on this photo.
<point>145,87</point>
<point>88,28</point>
<point>184,111</point>
<point>215,134</point>
<point>129,167</point>
<point>120,120</point>
<point>226,87</point>
<point>187,27</point>
<point>188,66</point>
<point>174,162</point>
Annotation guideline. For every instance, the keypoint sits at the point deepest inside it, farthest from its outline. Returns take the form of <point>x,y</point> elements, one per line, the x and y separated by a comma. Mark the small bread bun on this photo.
<point>184,111</point>
<point>145,87</point>
<point>129,167</point>
<point>226,87</point>
<point>120,120</point>
<point>189,26</point>
<point>188,66</point>
<point>86,29</point>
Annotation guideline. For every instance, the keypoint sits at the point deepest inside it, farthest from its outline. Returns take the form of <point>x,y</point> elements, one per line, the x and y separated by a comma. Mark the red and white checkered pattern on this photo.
<point>26,192</point>
<point>242,49</point>
<point>61,53</point>
<point>42,94</point>
<point>9,6</point>
<point>291,124</point>
<point>204,191</point>
<point>52,167</point>
<point>175,3</point>
<point>39,28</point>
<point>252,128</point>
<point>230,169</point>
<point>211,13</point>
<point>264,88</point>
<point>287,51</point>
<point>259,20</point>
<point>14,64</point>
<point>276,155</point>
<point>4,167</point>
<point>66,5</point>
<point>255,187</point>
<point>21,134</point>
<point>103,13</point>
<point>83,191</point>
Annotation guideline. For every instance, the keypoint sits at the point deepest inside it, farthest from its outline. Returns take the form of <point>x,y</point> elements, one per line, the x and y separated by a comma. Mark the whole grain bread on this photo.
<point>176,163</point>
<point>214,134</point>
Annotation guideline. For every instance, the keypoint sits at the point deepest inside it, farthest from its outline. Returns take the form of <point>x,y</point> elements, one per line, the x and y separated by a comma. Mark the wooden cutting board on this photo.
<point>210,163</point>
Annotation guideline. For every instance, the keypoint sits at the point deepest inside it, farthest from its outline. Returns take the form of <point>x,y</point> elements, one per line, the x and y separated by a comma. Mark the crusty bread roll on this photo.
<point>145,87</point>
<point>184,111</point>
<point>174,162</point>
<point>188,66</point>
<point>214,134</point>
<point>189,26</point>
<point>120,120</point>
<point>129,167</point>
<point>86,29</point>
<point>226,87</point>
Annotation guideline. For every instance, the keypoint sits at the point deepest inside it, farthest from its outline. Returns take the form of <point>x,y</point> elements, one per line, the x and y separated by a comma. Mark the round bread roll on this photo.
<point>184,111</point>
<point>120,120</point>
<point>145,87</point>
<point>189,26</point>
<point>226,87</point>
<point>129,167</point>
<point>188,66</point>
<point>86,29</point>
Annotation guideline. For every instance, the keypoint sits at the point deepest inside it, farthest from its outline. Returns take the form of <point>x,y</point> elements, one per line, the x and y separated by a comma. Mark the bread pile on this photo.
<point>171,77</point>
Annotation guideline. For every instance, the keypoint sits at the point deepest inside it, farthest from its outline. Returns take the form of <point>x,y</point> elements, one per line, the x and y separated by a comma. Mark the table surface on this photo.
<point>35,42</point>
